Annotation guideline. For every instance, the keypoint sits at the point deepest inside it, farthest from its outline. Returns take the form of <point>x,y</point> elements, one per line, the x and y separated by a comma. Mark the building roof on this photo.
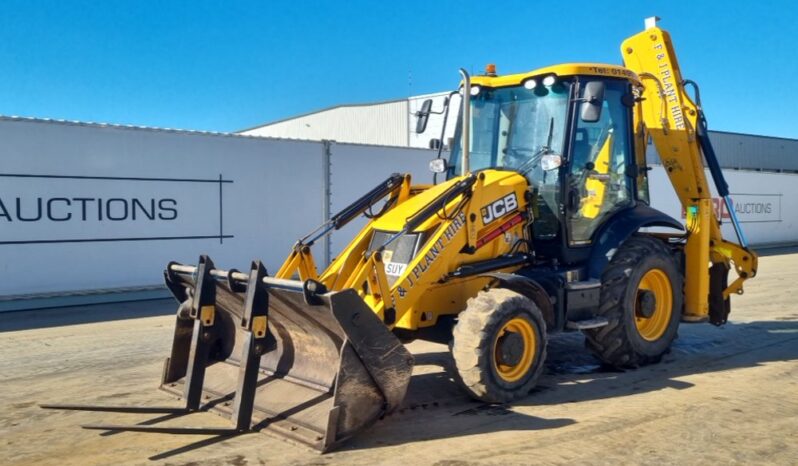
<point>322,110</point>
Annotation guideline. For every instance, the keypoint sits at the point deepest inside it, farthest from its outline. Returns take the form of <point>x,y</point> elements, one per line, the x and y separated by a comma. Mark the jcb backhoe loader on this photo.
<point>542,224</point>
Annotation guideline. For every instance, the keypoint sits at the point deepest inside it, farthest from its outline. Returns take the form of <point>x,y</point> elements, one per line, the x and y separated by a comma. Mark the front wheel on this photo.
<point>641,297</point>
<point>499,346</point>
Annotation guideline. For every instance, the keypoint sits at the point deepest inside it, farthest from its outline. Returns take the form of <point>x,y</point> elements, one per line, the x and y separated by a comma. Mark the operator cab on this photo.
<point>568,129</point>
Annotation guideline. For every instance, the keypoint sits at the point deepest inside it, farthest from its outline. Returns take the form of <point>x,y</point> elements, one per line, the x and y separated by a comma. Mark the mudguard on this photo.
<point>619,228</point>
<point>529,288</point>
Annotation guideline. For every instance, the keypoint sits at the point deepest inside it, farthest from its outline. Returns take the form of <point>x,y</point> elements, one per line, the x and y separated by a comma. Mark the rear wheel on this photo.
<point>499,346</point>
<point>641,296</point>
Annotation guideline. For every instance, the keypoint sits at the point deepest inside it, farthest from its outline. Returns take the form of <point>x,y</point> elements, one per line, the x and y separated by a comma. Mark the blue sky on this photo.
<point>224,66</point>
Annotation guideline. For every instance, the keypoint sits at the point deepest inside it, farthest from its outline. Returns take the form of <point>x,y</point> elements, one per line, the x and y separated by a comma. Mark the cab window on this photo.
<point>599,183</point>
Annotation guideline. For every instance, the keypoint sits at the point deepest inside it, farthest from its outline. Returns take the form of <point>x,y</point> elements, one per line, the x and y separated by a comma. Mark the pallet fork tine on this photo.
<point>116,409</point>
<point>165,430</point>
<point>253,321</point>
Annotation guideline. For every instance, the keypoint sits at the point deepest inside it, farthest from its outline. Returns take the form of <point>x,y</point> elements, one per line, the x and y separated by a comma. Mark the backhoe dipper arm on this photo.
<point>677,126</point>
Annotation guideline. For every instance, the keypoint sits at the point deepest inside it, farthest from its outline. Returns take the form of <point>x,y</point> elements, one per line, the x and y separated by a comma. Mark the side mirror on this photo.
<point>422,116</point>
<point>438,165</point>
<point>592,101</point>
<point>628,100</point>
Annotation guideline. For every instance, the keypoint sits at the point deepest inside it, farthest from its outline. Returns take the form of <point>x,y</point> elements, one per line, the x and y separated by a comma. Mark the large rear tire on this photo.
<point>641,296</point>
<point>499,346</point>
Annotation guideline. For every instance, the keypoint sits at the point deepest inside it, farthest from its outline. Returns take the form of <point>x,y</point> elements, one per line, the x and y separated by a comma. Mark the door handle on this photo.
<point>573,199</point>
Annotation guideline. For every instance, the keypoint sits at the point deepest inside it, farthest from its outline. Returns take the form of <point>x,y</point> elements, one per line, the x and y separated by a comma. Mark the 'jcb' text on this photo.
<point>499,208</point>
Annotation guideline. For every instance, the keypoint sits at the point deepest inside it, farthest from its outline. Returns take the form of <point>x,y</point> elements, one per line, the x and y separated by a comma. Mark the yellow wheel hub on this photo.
<point>514,349</point>
<point>652,318</point>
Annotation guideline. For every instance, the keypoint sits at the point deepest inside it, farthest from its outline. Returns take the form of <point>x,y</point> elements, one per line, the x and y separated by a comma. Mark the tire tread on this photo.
<point>473,343</point>
<point>611,343</point>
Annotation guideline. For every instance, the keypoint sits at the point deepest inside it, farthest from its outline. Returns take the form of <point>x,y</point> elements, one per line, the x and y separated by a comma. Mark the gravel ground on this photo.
<point>727,395</point>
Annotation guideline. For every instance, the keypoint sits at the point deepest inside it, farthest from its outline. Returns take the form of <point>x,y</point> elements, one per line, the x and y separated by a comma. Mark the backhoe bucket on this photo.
<point>313,367</point>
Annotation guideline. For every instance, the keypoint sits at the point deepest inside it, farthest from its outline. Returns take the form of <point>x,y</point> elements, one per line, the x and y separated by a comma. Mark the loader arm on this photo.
<point>300,261</point>
<point>677,126</point>
<point>447,218</point>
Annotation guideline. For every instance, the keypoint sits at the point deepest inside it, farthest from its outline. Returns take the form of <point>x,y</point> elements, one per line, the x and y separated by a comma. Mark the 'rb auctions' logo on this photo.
<point>740,208</point>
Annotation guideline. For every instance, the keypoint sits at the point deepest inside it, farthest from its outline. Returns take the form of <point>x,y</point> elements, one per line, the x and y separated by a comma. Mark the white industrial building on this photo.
<point>93,212</point>
<point>386,123</point>
<point>393,123</point>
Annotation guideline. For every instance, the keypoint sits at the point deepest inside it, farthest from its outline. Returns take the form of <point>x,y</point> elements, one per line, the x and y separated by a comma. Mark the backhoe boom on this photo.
<point>677,127</point>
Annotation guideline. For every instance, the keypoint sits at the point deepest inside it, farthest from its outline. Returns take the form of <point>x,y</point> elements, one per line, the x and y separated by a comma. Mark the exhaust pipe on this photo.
<point>465,143</point>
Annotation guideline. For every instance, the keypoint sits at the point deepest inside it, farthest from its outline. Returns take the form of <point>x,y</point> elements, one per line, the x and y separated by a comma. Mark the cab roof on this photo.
<point>567,69</point>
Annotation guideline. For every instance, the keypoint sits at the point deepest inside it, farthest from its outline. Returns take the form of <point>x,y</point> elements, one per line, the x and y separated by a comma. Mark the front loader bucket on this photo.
<point>317,369</point>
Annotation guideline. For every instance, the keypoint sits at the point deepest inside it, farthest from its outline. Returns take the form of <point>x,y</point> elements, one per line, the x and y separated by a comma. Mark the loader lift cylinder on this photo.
<point>348,213</point>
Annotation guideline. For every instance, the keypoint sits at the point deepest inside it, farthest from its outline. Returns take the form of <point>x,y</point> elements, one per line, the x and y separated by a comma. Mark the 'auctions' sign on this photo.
<point>68,209</point>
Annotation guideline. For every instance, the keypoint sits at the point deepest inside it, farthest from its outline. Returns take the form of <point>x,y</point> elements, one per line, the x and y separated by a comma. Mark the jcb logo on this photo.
<point>499,208</point>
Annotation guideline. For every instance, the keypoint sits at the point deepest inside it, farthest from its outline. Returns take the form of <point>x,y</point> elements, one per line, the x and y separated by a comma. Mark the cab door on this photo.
<point>598,181</point>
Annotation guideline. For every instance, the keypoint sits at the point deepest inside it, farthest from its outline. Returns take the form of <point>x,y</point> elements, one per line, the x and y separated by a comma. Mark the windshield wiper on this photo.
<point>551,134</point>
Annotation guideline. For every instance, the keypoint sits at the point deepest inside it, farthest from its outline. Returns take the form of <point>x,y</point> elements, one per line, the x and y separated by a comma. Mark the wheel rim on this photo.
<point>656,282</point>
<point>523,329</point>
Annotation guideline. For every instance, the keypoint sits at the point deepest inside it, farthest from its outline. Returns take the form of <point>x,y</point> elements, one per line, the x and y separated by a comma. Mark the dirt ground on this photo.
<point>723,395</point>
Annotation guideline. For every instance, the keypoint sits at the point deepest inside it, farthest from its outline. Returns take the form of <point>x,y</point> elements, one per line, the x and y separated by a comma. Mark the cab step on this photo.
<point>595,322</point>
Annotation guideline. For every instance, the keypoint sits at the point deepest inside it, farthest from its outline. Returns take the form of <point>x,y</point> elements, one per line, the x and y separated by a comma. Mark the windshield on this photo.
<point>513,127</point>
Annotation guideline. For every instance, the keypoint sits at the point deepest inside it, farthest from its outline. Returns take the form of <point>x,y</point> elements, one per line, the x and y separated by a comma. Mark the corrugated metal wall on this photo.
<point>748,152</point>
<point>383,124</point>
<point>88,207</point>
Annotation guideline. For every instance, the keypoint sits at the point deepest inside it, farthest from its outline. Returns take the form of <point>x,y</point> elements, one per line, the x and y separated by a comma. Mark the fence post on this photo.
<point>326,197</point>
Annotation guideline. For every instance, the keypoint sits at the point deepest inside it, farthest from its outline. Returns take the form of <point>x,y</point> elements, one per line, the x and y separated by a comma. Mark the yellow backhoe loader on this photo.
<point>541,223</point>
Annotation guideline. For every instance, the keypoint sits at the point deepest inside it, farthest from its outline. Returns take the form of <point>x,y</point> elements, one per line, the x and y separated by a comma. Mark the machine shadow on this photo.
<point>436,407</point>
<point>574,375</point>
<point>84,314</point>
